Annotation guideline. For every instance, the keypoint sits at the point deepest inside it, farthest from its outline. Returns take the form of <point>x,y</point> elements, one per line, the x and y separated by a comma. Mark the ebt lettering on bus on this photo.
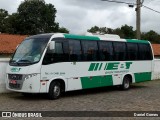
<point>110,66</point>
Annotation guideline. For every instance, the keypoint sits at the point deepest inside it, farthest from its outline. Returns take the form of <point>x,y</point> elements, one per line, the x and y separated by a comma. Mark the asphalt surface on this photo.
<point>141,97</point>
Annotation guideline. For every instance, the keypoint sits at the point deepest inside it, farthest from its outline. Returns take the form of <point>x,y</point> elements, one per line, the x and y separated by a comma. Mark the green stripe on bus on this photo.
<point>144,76</point>
<point>96,67</point>
<point>100,66</point>
<point>137,41</point>
<point>92,65</point>
<point>105,66</point>
<point>96,81</point>
<point>70,36</point>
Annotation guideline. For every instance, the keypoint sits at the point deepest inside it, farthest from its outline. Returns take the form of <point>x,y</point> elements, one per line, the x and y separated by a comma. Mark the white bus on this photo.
<point>55,63</point>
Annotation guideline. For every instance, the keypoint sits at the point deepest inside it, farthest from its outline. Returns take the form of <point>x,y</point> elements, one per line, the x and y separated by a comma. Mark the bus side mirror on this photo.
<point>52,45</point>
<point>17,46</point>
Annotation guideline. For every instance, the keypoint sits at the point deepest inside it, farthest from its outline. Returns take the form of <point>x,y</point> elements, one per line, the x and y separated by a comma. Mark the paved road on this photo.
<point>141,97</point>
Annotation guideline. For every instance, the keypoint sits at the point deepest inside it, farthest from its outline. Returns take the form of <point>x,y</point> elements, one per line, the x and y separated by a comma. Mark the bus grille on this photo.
<point>15,76</point>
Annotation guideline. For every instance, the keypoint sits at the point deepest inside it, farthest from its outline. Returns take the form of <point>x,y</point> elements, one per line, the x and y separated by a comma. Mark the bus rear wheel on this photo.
<point>126,83</point>
<point>54,90</point>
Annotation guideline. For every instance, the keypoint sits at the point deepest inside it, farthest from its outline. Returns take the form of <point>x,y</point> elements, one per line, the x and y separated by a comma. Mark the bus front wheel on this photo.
<point>54,90</point>
<point>126,83</point>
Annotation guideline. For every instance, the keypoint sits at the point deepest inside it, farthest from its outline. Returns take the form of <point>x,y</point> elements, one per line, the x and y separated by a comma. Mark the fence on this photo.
<point>156,74</point>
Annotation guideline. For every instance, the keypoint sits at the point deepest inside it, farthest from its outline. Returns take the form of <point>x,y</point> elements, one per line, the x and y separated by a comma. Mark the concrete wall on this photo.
<point>3,65</point>
<point>156,73</point>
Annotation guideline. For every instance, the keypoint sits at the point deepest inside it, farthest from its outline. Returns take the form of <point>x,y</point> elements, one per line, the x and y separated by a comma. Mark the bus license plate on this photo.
<point>13,82</point>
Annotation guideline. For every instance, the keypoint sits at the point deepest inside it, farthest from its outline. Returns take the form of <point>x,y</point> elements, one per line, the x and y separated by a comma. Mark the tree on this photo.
<point>12,23</point>
<point>119,32</point>
<point>3,17</point>
<point>94,29</point>
<point>35,16</point>
<point>100,30</point>
<point>63,30</point>
<point>128,32</point>
<point>124,32</point>
<point>152,36</point>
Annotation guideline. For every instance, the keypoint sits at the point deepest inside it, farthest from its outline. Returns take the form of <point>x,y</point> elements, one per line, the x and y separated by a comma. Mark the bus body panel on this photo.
<point>80,75</point>
<point>30,77</point>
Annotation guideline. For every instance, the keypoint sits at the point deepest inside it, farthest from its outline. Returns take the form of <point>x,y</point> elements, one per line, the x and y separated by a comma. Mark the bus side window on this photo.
<point>105,51</point>
<point>61,52</point>
<point>75,52</point>
<point>90,50</point>
<point>132,51</point>
<point>119,51</point>
<point>145,52</point>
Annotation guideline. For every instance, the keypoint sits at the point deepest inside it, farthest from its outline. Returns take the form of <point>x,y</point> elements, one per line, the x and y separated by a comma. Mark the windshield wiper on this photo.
<point>24,61</point>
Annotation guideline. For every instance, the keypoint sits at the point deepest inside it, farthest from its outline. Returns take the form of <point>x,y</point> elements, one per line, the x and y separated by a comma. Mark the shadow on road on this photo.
<point>76,93</point>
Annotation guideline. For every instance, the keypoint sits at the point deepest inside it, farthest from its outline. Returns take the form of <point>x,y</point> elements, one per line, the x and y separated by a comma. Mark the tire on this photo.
<point>54,90</point>
<point>126,83</point>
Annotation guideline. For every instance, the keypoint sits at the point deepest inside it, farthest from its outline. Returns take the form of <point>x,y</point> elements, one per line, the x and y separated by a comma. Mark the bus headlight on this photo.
<point>27,76</point>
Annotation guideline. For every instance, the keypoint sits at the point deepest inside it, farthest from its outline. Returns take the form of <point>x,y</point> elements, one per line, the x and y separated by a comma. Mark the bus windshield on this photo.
<point>29,51</point>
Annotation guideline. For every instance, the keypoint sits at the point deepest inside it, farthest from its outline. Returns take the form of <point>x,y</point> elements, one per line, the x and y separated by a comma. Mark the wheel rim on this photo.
<point>56,90</point>
<point>126,84</point>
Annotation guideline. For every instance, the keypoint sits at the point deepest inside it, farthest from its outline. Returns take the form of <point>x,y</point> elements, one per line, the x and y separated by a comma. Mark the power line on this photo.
<point>128,3</point>
<point>115,1</point>
<point>139,4</point>
<point>151,9</point>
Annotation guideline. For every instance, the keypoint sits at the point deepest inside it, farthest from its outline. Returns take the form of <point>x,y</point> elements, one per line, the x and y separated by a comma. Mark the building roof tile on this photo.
<point>8,42</point>
<point>156,49</point>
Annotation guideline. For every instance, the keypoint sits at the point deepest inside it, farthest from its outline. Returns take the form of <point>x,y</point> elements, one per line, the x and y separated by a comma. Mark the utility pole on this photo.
<point>138,14</point>
<point>138,20</point>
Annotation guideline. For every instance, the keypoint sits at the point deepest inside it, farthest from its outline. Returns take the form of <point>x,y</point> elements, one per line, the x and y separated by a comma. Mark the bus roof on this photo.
<point>72,36</point>
<point>88,37</point>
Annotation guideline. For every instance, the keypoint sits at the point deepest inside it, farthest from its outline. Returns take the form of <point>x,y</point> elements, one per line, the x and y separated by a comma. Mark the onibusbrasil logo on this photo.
<point>21,114</point>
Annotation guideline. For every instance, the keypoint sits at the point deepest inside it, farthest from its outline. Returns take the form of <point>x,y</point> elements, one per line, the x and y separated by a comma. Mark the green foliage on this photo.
<point>101,30</point>
<point>3,17</point>
<point>127,32</point>
<point>12,24</point>
<point>32,17</point>
<point>151,36</point>
<point>36,17</point>
<point>63,30</point>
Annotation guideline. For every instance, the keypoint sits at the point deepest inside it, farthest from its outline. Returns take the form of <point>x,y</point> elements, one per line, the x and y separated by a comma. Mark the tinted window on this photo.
<point>90,50</point>
<point>59,48</point>
<point>119,51</point>
<point>60,54</point>
<point>105,51</point>
<point>132,51</point>
<point>75,52</point>
<point>145,52</point>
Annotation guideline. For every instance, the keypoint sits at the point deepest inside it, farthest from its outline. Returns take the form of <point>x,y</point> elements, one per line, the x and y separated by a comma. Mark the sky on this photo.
<point>80,15</point>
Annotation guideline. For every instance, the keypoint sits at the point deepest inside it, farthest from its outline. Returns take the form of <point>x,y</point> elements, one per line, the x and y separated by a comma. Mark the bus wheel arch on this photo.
<point>126,82</point>
<point>56,88</point>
